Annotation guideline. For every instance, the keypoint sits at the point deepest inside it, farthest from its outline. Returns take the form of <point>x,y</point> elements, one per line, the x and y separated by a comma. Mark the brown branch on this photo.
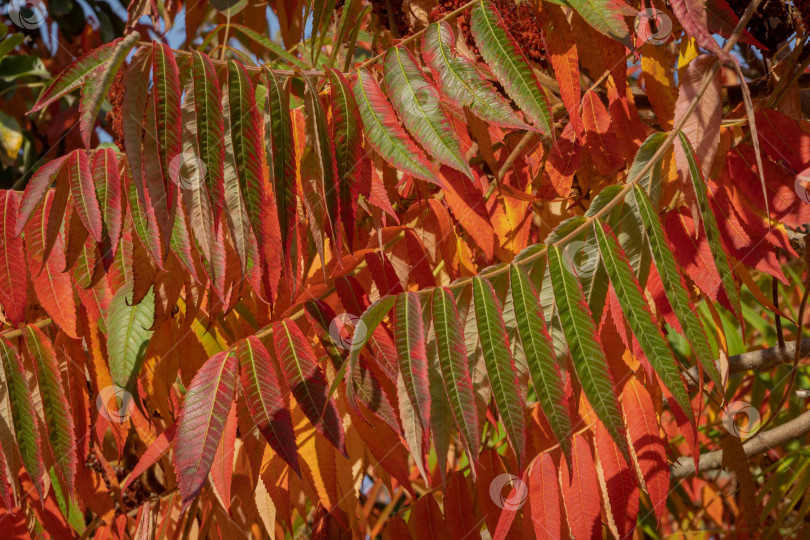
<point>761,360</point>
<point>762,442</point>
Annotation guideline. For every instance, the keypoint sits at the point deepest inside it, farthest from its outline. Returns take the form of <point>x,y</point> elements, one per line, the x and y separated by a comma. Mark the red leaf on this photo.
<point>202,422</point>
<point>385,446</point>
<point>602,145</point>
<point>463,522</point>
<point>619,486</point>
<point>53,288</point>
<point>562,53</point>
<point>783,139</point>
<point>467,203</point>
<point>156,450</point>
<point>35,190</point>
<point>691,14</point>
<point>84,193</point>
<point>383,272</point>
<point>307,381</point>
<point>563,161</point>
<point>783,202</point>
<point>222,468</point>
<point>544,498</point>
<point>426,520</point>
<point>649,448</point>
<point>691,250</point>
<point>13,273</point>
<point>265,400</point>
<point>753,251</point>
<point>702,126</point>
<point>581,492</point>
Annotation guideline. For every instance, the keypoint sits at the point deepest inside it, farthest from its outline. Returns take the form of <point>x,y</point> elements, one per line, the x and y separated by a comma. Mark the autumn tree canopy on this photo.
<point>404,268</point>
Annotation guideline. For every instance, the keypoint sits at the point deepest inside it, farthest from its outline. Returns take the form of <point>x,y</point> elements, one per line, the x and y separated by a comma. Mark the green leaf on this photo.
<point>418,104</point>
<point>238,220</point>
<point>539,352</point>
<point>673,286</point>
<point>210,128</point>
<point>384,132</point>
<point>128,335</point>
<point>639,317</point>
<point>500,365</point>
<point>58,418</point>
<point>585,348</point>
<point>347,134</point>
<point>508,63</point>
<point>710,226</point>
<point>454,368</point>
<point>460,80</point>
<point>23,416</point>
<point>278,125</point>
<point>604,16</point>
<point>247,142</point>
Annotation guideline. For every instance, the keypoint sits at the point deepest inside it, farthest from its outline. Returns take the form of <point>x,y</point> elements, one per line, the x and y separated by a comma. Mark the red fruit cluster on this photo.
<point>520,19</point>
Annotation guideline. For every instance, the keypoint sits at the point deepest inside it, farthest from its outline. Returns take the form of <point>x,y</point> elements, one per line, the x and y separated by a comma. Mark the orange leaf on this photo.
<point>581,492</point>
<point>618,484</point>
<point>648,448</point>
<point>544,498</point>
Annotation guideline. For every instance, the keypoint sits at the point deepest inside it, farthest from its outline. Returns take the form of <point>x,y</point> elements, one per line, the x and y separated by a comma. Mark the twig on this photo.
<point>762,442</point>
<point>761,360</point>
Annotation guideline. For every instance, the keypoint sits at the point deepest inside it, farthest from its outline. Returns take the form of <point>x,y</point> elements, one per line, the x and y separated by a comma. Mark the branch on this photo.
<point>761,360</point>
<point>762,442</point>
